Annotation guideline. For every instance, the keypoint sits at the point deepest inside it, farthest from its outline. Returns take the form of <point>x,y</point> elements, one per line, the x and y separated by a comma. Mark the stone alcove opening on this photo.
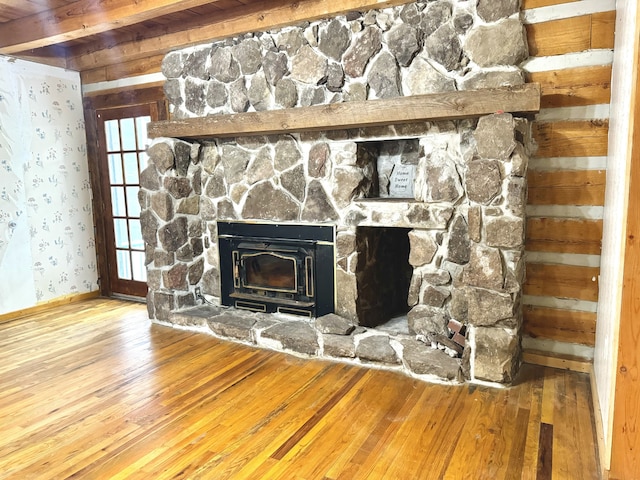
<point>389,167</point>
<point>383,276</point>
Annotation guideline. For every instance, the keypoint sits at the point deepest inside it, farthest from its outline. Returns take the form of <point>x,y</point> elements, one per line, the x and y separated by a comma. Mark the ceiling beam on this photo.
<point>254,17</point>
<point>82,19</point>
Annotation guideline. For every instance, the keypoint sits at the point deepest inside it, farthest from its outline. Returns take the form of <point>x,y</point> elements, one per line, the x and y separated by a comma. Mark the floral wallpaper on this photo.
<point>47,246</point>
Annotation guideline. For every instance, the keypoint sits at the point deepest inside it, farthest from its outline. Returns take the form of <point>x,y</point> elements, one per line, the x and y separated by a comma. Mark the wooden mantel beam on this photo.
<point>81,19</point>
<point>256,16</point>
<point>523,99</point>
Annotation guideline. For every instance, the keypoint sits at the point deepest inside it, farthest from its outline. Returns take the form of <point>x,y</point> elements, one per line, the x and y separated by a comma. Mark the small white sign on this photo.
<point>401,181</point>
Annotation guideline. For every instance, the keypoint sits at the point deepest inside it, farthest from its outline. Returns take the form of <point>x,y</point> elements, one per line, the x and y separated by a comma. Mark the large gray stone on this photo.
<point>404,42</point>
<point>317,207</point>
<point>339,346</point>
<point>149,180</point>
<point>173,91</point>
<point>423,247</point>
<point>427,321</point>
<point>286,93</point>
<point>463,21</point>
<point>195,65</point>
<point>424,360</point>
<point>195,95</point>
<point>495,136</point>
<point>290,41</point>
<point>438,179</point>
<point>458,249</point>
<point>422,78</point>
<point>162,205</point>
<point>149,225</point>
<point>484,79</point>
<point>194,275</point>
<point>433,296</point>
<point>223,67</point>
<point>318,158</point>
<point>275,67</point>
<point>234,160</point>
<point>444,47</point>
<point>517,195</point>
<point>217,94</point>
<point>209,156</point>
<point>307,66</point>
<point>334,39</point>
<point>161,154</point>
<point>484,269</point>
<point>507,232</point>
<point>176,277</point>
<point>261,168</point>
<point>215,186</point>
<point>164,304</point>
<point>297,336</point>
<point>346,182</point>
<point>497,354</point>
<point>384,76</point>
<point>410,14</point>
<point>259,93</point>
<point>178,187</point>
<point>334,324</point>
<point>172,65</point>
<point>493,10</point>
<point>287,153</point>
<point>182,152</point>
<point>233,325</point>
<point>483,181</point>
<point>265,202</point>
<point>312,95</point>
<point>503,43</point>
<point>249,56</point>
<point>376,348</point>
<point>362,49</point>
<point>487,307</point>
<point>238,96</point>
<point>335,77</point>
<point>174,234</point>
<point>294,182</point>
<point>346,294</point>
<point>428,216</point>
<point>434,16</point>
<point>211,282</point>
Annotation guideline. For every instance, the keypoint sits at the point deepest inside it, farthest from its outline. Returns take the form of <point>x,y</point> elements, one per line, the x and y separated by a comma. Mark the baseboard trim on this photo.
<point>56,302</point>
<point>555,360</point>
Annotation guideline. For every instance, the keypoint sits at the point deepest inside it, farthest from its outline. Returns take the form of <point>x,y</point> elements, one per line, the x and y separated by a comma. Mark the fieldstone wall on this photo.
<point>465,220</point>
<point>419,48</point>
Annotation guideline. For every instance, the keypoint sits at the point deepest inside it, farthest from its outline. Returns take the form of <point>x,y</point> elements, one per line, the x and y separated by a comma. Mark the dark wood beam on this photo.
<point>337,116</point>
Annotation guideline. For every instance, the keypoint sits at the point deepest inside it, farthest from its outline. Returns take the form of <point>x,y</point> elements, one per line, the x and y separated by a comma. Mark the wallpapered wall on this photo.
<point>47,247</point>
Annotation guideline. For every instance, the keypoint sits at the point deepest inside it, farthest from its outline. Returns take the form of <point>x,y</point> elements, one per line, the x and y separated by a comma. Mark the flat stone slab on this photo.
<point>233,326</point>
<point>377,349</point>
<point>425,360</point>
<point>297,336</point>
<point>334,324</point>
<point>339,346</point>
<point>195,316</point>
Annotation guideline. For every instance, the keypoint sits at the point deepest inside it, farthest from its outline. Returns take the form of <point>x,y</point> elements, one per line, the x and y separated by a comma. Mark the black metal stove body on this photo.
<point>277,268</point>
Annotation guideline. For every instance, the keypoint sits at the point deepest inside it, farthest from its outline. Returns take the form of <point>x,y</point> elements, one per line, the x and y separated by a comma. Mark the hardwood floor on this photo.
<point>95,391</point>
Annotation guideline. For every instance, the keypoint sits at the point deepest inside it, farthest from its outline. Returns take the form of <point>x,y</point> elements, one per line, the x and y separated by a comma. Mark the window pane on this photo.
<point>117,202</point>
<point>120,231</point>
<point>141,129</point>
<point>137,242</point>
<point>124,264</point>
<point>128,134</point>
<point>112,135</point>
<point>139,269</point>
<point>115,169</point>
<point>131,168</point>
<point>144,160</point>
<point>133,204</point>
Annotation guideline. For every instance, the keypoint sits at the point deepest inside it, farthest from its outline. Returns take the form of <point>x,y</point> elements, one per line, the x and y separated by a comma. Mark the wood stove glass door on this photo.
<point>269,271</point>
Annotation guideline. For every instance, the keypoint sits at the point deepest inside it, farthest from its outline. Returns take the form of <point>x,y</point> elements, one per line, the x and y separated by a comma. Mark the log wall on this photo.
<point>571,47</point>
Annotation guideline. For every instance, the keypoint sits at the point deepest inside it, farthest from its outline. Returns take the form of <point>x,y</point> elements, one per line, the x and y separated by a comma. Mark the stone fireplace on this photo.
<point>420,223</point>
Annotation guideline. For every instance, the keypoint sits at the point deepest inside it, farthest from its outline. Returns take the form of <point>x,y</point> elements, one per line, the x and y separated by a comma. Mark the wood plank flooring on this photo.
<point>95,391</point>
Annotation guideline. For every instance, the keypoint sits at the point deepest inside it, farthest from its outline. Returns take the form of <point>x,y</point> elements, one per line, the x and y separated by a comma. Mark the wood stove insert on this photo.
<point>277,268</point>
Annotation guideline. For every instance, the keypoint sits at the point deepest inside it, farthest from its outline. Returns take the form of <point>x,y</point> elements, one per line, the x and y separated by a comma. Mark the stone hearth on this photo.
<point>462,221</point>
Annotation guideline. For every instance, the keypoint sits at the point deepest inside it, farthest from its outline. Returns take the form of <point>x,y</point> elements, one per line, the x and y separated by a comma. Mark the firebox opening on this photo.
<point>383,274</point>
<point>389,167</point>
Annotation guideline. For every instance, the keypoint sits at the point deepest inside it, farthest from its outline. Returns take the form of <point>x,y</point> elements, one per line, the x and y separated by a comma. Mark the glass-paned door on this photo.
<point>123,140</point>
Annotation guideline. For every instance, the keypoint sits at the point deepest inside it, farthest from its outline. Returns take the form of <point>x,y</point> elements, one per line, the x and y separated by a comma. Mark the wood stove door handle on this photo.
<point>236,269</point>
<point>308,265</point>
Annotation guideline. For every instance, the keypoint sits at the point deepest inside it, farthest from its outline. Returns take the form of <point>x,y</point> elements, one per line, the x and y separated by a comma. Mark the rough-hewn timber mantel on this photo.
<point>524,99</point>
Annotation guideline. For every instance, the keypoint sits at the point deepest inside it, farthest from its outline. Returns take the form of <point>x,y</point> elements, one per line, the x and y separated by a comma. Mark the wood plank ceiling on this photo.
<point>85,35</point>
